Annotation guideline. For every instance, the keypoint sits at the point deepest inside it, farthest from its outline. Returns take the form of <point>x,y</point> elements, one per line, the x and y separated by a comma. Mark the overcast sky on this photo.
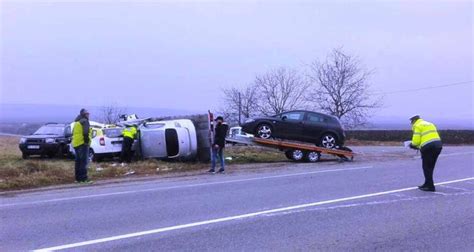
<point>180,54</point>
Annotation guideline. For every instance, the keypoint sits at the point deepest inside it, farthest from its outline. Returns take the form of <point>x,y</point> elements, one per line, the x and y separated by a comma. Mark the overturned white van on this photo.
<point>171,139</point>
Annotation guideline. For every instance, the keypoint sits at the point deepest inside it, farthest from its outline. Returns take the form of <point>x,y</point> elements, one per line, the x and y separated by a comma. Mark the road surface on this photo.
<point>368,204</point>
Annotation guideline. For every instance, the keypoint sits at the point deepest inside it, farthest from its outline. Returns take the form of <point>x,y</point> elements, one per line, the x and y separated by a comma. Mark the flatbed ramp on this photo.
<point>297,151</point>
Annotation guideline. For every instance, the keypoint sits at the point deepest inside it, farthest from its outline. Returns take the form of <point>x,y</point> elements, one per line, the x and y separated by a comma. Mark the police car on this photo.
<point>106,142</point>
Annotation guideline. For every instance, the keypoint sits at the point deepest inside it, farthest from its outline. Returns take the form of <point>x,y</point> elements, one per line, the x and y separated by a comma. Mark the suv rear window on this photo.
<point>333,120</point>
<point>315,118</point>
<point>116,132</point>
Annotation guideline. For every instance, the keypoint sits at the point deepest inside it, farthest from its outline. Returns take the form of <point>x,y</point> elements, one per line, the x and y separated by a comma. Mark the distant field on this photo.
<point>19,128</point>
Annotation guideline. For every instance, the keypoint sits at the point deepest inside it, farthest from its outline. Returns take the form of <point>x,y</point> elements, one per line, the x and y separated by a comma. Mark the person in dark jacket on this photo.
<point>219,144</point>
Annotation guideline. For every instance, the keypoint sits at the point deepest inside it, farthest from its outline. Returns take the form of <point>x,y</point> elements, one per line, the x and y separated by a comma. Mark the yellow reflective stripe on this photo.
<point>129,132</point>
<point>428,132</point>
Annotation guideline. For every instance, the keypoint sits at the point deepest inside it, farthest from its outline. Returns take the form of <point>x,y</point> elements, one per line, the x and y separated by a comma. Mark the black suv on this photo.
<point>51,140</point>
<point>306,126</point>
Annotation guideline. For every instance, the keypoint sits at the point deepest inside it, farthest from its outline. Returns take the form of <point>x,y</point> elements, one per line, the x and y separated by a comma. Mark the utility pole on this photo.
<point>240,109</point>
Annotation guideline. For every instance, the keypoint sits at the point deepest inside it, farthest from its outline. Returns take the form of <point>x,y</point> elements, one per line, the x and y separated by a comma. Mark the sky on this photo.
<point>181,54</point>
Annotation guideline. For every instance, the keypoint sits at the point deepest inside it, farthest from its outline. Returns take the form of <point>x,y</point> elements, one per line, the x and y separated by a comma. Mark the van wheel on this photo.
<point>313,156</point>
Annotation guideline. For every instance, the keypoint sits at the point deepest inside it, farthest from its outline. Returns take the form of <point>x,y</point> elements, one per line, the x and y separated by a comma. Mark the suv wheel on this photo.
<point>288,154</point>
<point>264,131</point>
<point>328,141</point>
<point>24,156</point>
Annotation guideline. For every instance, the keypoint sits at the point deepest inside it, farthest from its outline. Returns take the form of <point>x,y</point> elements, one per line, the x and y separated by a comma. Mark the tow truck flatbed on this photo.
<point>297,151</point>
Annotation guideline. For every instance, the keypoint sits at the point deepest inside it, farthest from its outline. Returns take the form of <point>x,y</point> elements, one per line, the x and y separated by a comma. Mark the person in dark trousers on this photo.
<point>219,145</point>
<point>427,140</point>
<point>129,135</point>
<point>81,138</point>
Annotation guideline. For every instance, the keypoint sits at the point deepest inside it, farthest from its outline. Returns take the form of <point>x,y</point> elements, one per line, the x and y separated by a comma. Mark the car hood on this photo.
<point>42,136</point>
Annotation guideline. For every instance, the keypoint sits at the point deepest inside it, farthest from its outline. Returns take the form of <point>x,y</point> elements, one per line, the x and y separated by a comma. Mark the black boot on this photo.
<point>428,188</point>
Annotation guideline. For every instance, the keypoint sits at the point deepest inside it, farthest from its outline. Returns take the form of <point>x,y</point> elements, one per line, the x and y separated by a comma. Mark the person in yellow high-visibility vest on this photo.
<point>129,135</point>
<point>81,138</point>
<point>427,140</point>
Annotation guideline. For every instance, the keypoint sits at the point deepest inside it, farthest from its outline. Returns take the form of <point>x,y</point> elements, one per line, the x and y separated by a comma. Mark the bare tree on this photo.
<point>239,103</point>
<point>111,113</point>
<point>341,88</point>
<point>280,90</point>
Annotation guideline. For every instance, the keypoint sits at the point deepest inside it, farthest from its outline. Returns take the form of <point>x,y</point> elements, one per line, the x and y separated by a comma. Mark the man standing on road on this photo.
<point>426,138</point>
<point>81,138</point>
<point>219,145</point>
<point>129,135</point>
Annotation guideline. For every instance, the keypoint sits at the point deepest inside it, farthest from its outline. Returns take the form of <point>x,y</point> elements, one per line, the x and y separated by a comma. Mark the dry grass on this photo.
<point>355,142</point>
<point>253,154</point>
<point>17,173</point>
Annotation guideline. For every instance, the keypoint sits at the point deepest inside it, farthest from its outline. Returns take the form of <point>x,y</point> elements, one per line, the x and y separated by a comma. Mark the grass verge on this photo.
<point>17,173</point>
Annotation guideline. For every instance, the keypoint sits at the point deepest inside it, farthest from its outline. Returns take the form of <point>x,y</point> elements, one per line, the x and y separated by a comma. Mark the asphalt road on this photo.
<point>369,204</point>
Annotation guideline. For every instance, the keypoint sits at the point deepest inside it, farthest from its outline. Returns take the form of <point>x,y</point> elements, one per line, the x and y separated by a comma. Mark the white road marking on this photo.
<point>182,186</point>
<point>456,188</point>
<point>449,154</point>
<point>236,217</point>
<point>398,195</point>
<point>370,203</point>
<point>456,154</point>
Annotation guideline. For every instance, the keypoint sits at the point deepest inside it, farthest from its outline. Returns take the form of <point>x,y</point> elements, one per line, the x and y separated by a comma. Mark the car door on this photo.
<point>290,125</point>
<point>314,125</point>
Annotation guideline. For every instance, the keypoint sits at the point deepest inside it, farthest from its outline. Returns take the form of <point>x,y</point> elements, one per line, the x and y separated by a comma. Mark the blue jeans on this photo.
<point>81,160</point>
<point>218,153</point>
